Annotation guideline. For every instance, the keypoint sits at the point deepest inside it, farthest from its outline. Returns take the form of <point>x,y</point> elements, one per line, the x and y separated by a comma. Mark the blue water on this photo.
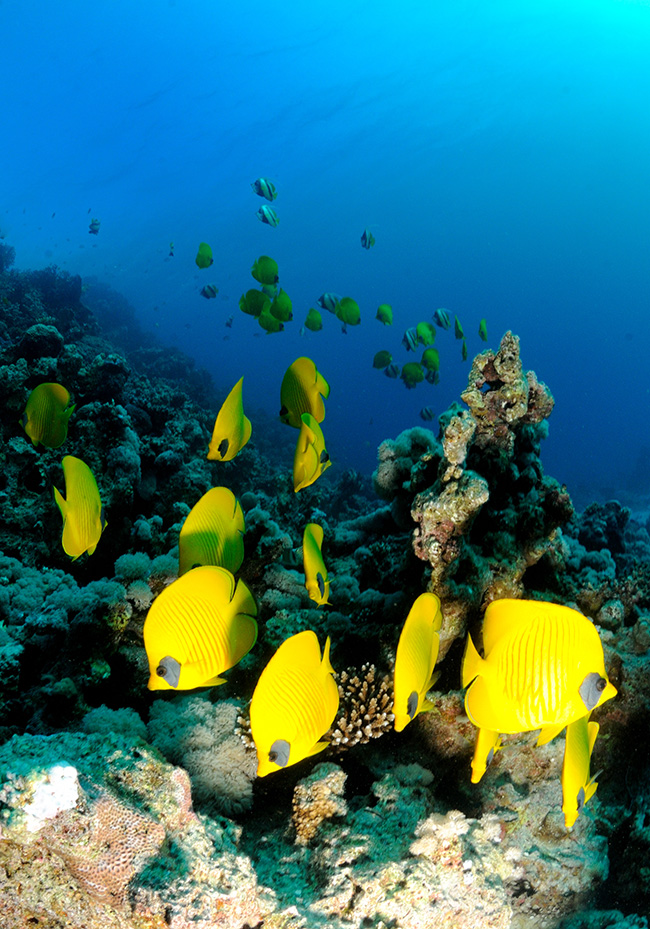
<point>498,150</point>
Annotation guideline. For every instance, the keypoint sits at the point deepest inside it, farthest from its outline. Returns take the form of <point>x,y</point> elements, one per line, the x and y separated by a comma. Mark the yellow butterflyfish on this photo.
<point>311,458</point>
<point>46,415</point>
<point>417,653</point>
<point>577,786</point>
<point>197,628</point>
<point>212,533</point>
<point>294,703</point>
<point>316,580</point>
<point>302,391</point>
<point>232,429</point>
<point>81,509</point>
<point>543,668</point>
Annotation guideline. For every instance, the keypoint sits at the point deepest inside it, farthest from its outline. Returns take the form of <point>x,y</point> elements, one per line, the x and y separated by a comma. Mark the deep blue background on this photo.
<point>500,152</point>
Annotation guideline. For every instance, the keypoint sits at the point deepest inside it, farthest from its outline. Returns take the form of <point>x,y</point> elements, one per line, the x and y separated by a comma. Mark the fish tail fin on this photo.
<point>326,663</point>
<point>248,429</point>
<point>472,663</point>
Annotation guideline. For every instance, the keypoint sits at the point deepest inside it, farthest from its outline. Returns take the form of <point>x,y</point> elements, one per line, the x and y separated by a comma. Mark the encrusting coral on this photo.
<point>317,797</point>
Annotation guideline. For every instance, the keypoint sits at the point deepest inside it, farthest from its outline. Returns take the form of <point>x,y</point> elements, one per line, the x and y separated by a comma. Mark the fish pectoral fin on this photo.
<point>548,733</point>
<point>426,706</point>
<point>215,681</point>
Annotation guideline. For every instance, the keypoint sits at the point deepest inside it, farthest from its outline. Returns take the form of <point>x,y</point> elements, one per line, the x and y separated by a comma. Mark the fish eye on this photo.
<point>273,756</point>
<point>161,671</point>
<point>601,684</point>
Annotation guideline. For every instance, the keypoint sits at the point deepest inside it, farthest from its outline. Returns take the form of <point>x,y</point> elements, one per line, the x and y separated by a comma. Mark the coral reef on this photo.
<point>99,778</point>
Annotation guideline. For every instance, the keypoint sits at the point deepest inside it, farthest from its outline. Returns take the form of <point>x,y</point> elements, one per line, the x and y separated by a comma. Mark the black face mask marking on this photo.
<point>412,704</point>
<point>279,753</point>
<point>170,670</point>
<point>591,689</point>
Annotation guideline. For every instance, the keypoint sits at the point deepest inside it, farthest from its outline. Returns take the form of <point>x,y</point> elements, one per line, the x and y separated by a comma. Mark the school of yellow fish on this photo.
<point>543,666</point>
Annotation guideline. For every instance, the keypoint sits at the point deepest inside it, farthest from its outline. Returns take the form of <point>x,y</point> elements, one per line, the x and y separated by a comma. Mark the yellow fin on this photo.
<point>548,733</point>
<point>473,664</point>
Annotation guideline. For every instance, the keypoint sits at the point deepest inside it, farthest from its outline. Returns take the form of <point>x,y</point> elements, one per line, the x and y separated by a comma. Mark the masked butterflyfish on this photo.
<point>463,351</point>
<point>348,312</point>
<point>204,256</point>
<point>577,786</point>
<point>46,415</point>
<point>314,321</point>
<point>254,303</point>
<point>385,314</point>
<point>93,229</point>
<point>302,391</point>
<point>265,270</point>
<point>417,653</point>
<point>412,374</point>
<point>268,322</point>
<point>426,333</point>
<point>294,703</point>
<point>281,307</point>
<point>266,214</point>
<point>482,330</point>
<point>212,533</point>
<point>442,318</point>
<point>430,360</point>
<point>232,429</point>
<point>264,188</point>
<point>458,329</point>
<point>316,581</point>
<point>543,668</point>
<point>311,458</point>
<point>382,359</point>
<point>367,239</point>
<point>329,301</point>
<point>81,510</point>
<point>197,628</point>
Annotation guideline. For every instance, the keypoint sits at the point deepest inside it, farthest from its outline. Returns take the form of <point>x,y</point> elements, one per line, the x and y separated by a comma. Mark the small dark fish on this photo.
<point>367,238</point>
<point>93,229</point>
<point>267,214</point>
<point>210,291</point>
<point>427,413</point>
<point>229,322</point>
<point>441,318</point>
<point>410,340</point>
<point>392,370</point>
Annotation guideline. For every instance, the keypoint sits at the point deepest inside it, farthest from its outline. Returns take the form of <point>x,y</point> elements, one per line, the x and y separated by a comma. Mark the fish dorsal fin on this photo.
<point>326,664</point>
<point>501,618</point>
<point>473,664</point>
<point>61,502</point>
